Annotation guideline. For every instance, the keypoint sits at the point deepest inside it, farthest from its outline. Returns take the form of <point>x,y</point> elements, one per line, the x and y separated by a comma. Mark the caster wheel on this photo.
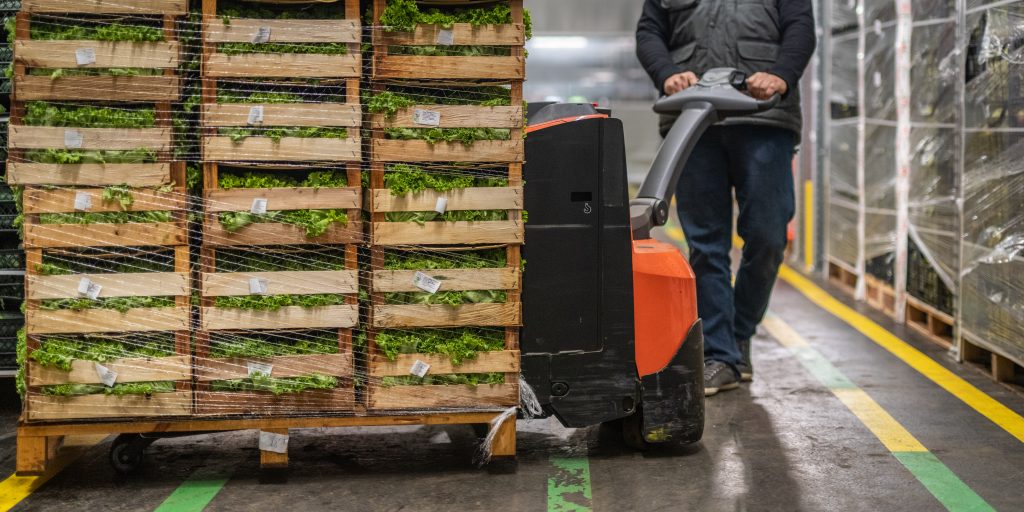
<point>127,453</point>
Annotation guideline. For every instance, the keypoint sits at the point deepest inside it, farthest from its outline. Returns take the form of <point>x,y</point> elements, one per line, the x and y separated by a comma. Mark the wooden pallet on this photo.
<point>1005,370</point>
<point>39,444</point>
<point>929,322</point>
<point>408,67</point>
<point>346,69</point>
<point>842,276</point>
<point>880,295</point>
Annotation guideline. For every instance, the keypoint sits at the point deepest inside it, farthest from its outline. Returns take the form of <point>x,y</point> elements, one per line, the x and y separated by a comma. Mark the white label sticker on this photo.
<point>255,115</point>
<point>441,206</point>
<point>419,369</point>
<point>445,37</point>
<point>85,56</point>
<point>258,286</point>
<point>271,442</point>
<point>107,376</point>
<point>878,27</point>
<point>73,139</point>
<point>259,368</point>
<point>262,35</point>
<point>83,201</point>
<point>426,117</point>
<point>87,288</point>
<point>426,283</point>
<point>259,206</point>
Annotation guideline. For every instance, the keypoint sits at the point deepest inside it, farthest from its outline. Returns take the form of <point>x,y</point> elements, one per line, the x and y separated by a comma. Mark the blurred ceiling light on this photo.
<point>559,42</point>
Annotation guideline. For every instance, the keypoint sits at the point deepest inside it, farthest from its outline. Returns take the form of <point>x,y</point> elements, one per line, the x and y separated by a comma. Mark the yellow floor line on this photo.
<point>16,488</point>
<point>987,406</point>
<point>881,423</point>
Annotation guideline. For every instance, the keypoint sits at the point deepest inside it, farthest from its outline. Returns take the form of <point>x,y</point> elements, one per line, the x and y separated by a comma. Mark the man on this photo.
<point>772,41</point>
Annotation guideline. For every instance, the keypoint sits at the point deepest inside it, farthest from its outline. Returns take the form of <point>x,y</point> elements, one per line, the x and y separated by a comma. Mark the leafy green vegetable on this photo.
<point>121,304</point>
<point>101,31</point>
<point>314,222</point>
<point>252,347</point>
<point>454,298</point>
<point>451,51</point>
<point>490,258</point>
<point>448,216</point>
<point>38,113</point>
<point>104,217</point>
<point>82,156</point>
<point>228,9</point>
<point>304,48</point>
<point>403,179</point>
<point>467,136</point>
<point>390,103</point>
<point>225,95</point>
<point>127,388</point>
<point>60,352</point>
<point>458,344</point>
<point>259,261</point>
<point>404,15</point>
<point>276,133</point>
<point>458,379</point>
<point>275,302</point>
<point>260,382</point>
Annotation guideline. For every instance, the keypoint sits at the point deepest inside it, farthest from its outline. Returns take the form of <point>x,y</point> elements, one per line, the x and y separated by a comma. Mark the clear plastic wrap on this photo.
<point>880,74</point>
<point>844,15</point>
<point>995,76</point>
<point>879,199</point>
<point>843,195</point>
<point>843,94</point>
<point>935,72</point>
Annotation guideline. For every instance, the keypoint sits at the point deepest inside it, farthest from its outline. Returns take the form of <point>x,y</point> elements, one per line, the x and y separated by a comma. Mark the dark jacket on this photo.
<point>775,36</point>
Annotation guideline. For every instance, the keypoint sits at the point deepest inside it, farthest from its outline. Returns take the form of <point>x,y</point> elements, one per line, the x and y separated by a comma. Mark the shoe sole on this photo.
<point>714,391</point>
<point>746,377</point>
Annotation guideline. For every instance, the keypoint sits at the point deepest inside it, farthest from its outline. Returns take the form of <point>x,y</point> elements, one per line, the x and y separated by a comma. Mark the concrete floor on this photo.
<point>784,442</point>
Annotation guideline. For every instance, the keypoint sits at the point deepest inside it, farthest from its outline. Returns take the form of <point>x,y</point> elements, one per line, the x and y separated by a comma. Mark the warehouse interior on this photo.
<point>889,364</point>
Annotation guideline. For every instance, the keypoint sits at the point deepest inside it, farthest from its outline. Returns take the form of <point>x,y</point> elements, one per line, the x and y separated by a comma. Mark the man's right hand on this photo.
<point>679,82</point>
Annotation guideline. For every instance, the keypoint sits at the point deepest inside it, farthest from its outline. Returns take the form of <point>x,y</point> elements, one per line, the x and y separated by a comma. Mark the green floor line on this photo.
<point>569,485</point>
<point>936,477</point>
<point>195,493</point>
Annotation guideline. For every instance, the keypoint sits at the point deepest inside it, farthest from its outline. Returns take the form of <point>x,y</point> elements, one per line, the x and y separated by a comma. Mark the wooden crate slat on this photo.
<point>128,370</point>
<point>264,149</point>
<point>166,7</point>
<point>463,34</point>
<point>140,284</point>
<point>505,361</point>
<point>422,151</point>
<point>109,54</point>
<point>446,233</point>
<point>295,198</point>
<point>106,320</point>
<point>134,234</point>
<point>242,30</point>
<point>136,175</point>
<point>463,68</point>
<point>46,137</point>
<point>224,284</point>
<point>291,317</point>
<point>441,315</point>
<point>43,200</point>
<point>283,65</point>
<point>430,397</point>
<point>451,280</point>
<point>475,198</point>
<point>455,116</point>
<point>97,88</point>
<point>280,234</point>
<point>213,404</point>
<point>42,407</point>
<point>333,365</point>
<point>284,114</point>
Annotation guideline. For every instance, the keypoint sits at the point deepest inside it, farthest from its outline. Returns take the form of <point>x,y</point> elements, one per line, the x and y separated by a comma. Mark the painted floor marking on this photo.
<point>569,485</point>
<point>16,488</point>
<point>197,491</point>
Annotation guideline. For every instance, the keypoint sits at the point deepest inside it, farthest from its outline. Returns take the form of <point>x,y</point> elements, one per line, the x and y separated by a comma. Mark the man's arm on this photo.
<point>652,35</point>
<point>796,20</point>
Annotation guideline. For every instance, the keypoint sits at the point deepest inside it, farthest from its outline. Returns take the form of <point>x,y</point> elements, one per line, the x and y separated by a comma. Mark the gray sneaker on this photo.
<point>718,376</point>
<point>746,366</point>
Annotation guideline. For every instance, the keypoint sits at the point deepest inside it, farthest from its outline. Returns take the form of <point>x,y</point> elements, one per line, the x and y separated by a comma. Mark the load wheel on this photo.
<point>128,451</point>
<point>633,433</point>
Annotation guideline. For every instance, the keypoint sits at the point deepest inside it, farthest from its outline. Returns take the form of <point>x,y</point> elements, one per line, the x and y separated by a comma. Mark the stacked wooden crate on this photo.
<point>71,210</point>
<point>400,235</point>
<point>279,83</point>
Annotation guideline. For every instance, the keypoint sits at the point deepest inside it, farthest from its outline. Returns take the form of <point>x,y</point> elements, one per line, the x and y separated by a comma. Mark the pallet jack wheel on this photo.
<point>128,451</point>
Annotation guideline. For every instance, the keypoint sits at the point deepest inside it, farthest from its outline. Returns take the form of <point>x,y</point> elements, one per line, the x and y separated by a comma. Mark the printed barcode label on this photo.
<point>426,117</point>
<point>258,286</point>
<point>255,115</point>
<point>85,56</point>
<point>445,37</point>
<point>87,288</point>
<point>262,35</point>
<point>263,369</point>
<point>259,206</point>
<point>271,442</point>
<point>419,369</point>
<point>83,201</point>
<point>426,283</point>
<point>107,376</point>
<point>73,139</point>
<point>441,206</point>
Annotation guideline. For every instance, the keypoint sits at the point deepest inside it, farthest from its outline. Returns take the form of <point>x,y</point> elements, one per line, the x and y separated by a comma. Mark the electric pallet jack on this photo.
<point>610,329</point>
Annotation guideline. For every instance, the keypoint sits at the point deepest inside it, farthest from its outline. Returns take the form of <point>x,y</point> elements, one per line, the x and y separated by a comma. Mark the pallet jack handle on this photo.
<point>715,97</point>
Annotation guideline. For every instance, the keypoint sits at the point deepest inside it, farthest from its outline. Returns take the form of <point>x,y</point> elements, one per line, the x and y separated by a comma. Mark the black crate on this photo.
<point>10,323</point>
<point>12,259</point>
<point>8,213</point>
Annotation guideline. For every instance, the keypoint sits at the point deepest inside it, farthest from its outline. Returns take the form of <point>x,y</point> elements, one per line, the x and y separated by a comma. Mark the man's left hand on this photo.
<point>763,85</point>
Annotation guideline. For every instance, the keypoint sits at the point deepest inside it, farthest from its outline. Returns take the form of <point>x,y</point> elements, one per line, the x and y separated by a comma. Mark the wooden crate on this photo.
<point>408,67</point>
<point>929,322</point>
<point>993,360</point>
<point>346,69</point>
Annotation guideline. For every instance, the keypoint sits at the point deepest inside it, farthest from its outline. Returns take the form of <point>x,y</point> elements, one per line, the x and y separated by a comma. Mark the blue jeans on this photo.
<point>756,161</point>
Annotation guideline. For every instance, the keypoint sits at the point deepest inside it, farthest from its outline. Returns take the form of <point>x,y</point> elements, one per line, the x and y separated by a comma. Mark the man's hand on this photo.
<point>679,82</point>
<point>763,85</point>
